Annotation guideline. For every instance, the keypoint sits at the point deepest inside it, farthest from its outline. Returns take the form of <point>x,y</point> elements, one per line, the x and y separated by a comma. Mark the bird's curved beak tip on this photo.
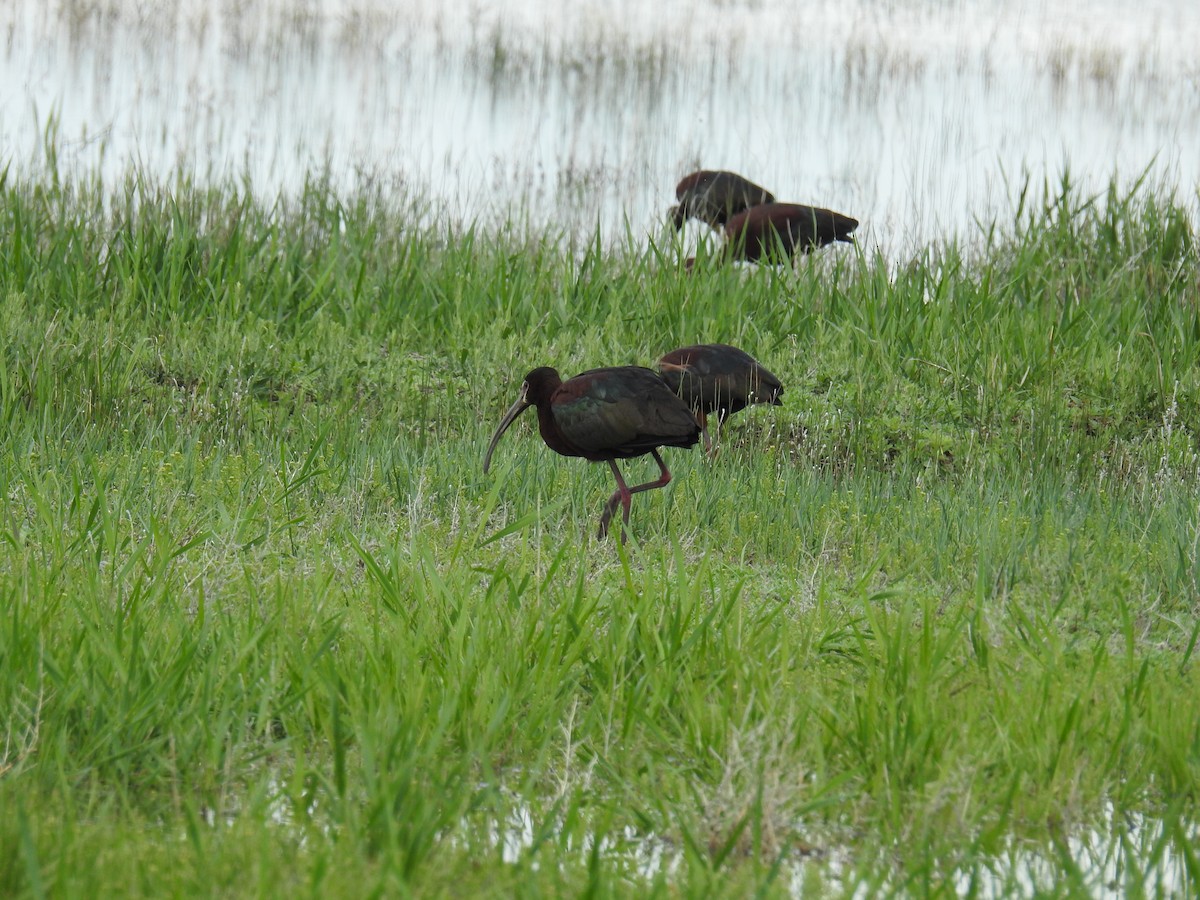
<point>509,417</point>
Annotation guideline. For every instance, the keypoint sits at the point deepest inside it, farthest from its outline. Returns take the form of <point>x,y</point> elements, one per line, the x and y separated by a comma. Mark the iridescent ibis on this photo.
<point>760,232</point>
<point>718,378</point>
<point>715,197</point>
<point>604,415</point>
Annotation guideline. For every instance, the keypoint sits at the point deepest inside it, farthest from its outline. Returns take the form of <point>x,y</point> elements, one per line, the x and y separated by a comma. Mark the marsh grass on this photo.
<point>266,627</point>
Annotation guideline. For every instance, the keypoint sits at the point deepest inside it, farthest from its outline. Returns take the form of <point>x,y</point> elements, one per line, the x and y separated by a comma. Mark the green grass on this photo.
<point>266,628</point>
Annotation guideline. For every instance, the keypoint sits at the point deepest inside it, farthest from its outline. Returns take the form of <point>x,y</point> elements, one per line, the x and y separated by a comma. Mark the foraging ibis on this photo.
<point>604,415</point>
<point>715,197</point>
<point>758,232</point>
<point>718,378</point>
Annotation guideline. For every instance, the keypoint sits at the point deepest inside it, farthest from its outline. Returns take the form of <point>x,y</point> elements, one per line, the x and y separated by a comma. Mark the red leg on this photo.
<point>622,494</point>
<point>663,480</point>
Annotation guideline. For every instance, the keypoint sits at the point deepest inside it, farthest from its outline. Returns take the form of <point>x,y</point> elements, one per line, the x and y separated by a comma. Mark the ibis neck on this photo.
<point>550,433</point>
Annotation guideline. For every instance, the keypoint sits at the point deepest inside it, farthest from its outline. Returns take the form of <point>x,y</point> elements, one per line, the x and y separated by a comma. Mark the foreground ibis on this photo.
<point>715,197</point>
<point>604,415</point>
<point>761,231</point>
<point>718,378</point>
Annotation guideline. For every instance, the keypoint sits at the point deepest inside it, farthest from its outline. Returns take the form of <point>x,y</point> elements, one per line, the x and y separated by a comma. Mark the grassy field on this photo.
<point>267,629</point>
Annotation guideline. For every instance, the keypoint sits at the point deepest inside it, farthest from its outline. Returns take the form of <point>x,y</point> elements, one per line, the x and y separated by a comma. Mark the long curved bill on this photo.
<point>515,410</point>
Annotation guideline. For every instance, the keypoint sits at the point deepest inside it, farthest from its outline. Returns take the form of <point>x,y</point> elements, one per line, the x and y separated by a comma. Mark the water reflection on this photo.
<point>909,115</point>
<point>1124,855</point>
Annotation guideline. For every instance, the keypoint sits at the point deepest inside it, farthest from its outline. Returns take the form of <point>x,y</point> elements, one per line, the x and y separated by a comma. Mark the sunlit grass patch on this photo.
<point>265,623</point>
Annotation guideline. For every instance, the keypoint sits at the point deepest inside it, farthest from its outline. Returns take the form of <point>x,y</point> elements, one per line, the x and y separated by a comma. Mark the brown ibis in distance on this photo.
<point>760,232</point>
<point>715,197</point>
<point>604,415</point>
<point>718,378</point>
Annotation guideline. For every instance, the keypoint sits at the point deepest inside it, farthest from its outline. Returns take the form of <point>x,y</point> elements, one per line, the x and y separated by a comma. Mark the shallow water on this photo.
<point>916,117</point>
<point>1123,855</point>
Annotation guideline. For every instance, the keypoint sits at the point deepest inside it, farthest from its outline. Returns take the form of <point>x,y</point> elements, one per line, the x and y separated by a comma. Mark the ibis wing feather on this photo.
<point>715,196</point>
<point>715,377</point>
<point>625,410</point>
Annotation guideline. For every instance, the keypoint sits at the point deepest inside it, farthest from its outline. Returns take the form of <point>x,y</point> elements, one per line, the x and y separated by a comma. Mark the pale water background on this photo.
<point>918,117</point>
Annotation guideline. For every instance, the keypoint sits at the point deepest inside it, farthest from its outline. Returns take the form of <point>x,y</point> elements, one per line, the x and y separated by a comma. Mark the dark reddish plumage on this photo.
<point>604,415</point>
<point>715,197</point>
<point>718,378</point>
<point>761,232</point>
